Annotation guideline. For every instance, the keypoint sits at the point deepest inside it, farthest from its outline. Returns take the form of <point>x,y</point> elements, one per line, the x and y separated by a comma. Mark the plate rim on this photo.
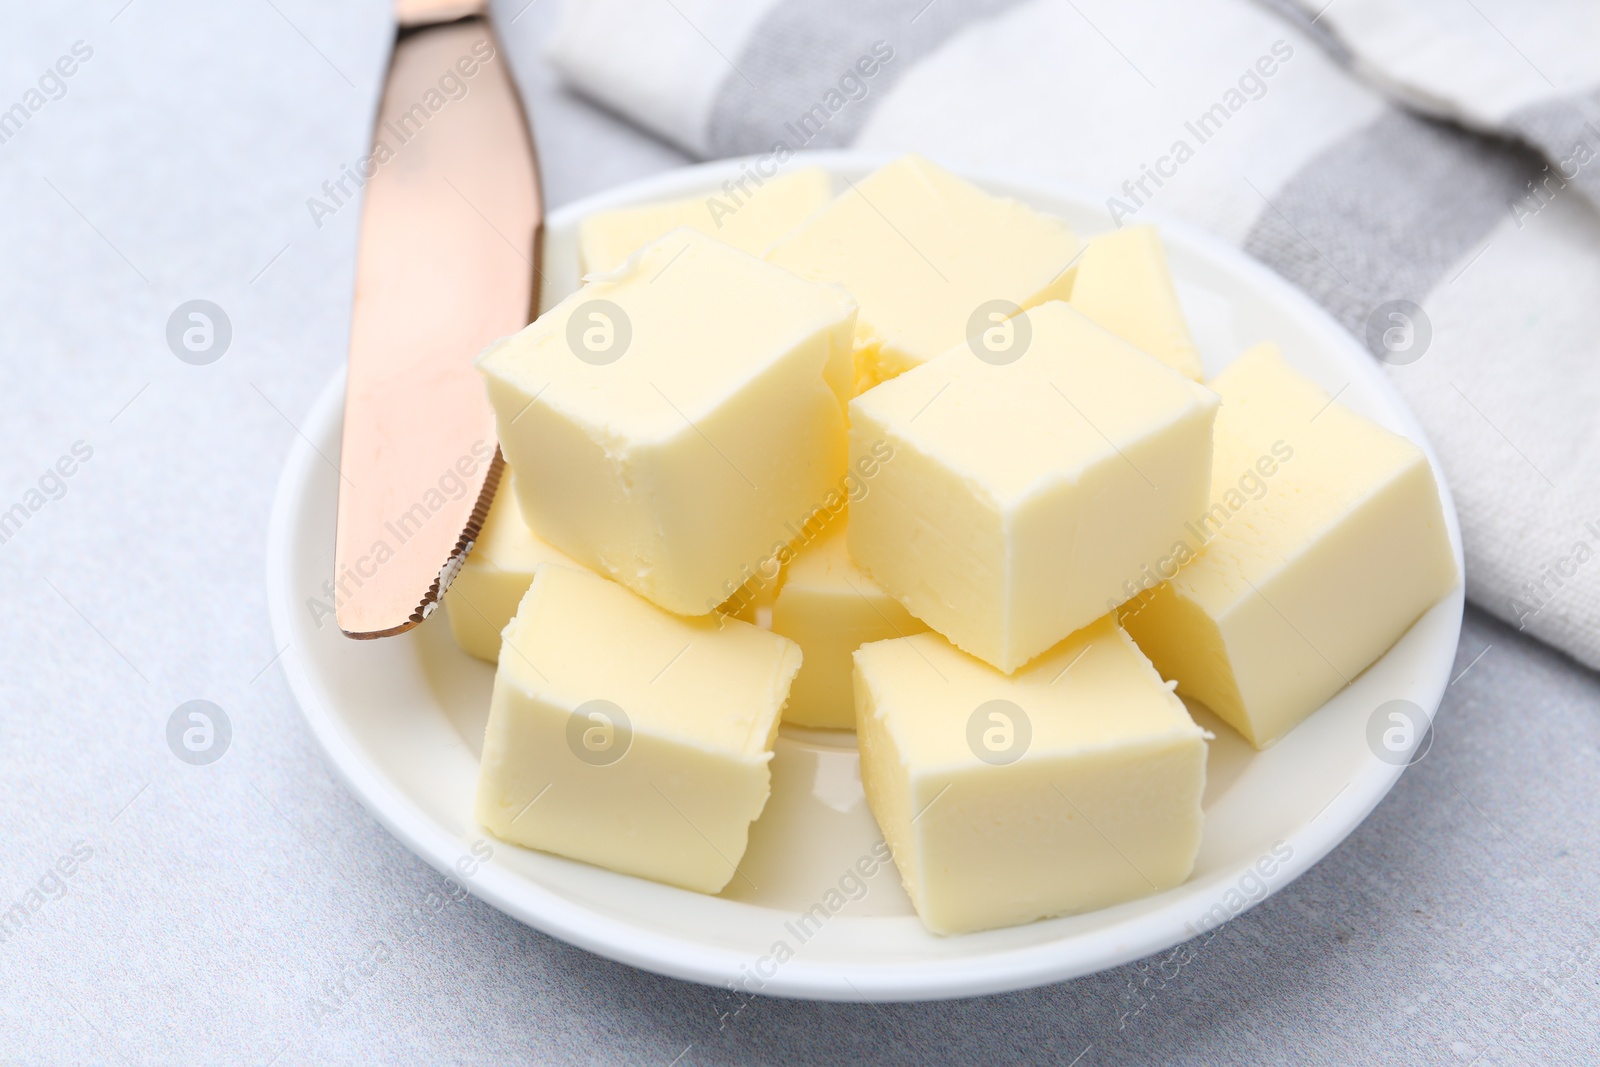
<point>904,980</point>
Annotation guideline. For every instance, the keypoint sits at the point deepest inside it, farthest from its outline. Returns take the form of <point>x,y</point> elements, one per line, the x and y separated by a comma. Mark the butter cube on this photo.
<point>830,609</point>
<point>1122,283</point>
<point>927,255</point>
<point>1023,495</point>
<point>749,218</point>
<point>1324,541</point>
<point>753,600</point>
<point>628,737</point>
<point>669,419</point>
<point>497,571</point>
<point>1071,785</point>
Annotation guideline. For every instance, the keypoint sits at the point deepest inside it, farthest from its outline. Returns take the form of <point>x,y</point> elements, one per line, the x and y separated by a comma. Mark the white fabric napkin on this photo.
<point>1371,152</point>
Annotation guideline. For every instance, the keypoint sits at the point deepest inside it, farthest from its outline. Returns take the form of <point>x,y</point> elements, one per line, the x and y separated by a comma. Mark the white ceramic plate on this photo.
<point>402,721</point>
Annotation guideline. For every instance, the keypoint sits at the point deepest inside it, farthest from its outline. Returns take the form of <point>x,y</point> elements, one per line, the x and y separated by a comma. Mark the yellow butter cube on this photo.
<point>496,573</point>
<point>928,257</point>
<point>1027,487</point>
<point>753,600</point>
<point>830,608</point>
<point>629,737</point>
<point>1071,785</point>
<point>1122,283</point>
<point>749,218</point>
<point>669,420</point>
<point>1323,542</point>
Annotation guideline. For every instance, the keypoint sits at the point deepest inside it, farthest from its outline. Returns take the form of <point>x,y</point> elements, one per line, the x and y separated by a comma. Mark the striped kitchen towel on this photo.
<point>1436,152</point>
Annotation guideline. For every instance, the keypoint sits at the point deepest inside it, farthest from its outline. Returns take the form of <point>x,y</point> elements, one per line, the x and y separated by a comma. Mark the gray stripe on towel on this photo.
<point>1567,131</point>
<point>805,49</point>
<point>1383,214</point>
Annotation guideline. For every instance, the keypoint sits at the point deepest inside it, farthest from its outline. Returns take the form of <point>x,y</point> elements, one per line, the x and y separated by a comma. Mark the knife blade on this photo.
<point>447,262</point>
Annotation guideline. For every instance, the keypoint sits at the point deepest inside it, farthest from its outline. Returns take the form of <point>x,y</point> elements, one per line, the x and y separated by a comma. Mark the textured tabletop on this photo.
<point>250,910</point>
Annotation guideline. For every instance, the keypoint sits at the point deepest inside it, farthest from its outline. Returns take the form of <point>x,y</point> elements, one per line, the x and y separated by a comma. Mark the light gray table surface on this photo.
<point>208,908</point>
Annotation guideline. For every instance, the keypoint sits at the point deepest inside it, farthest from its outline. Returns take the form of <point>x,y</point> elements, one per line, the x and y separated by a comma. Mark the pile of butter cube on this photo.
<point>915,461</point>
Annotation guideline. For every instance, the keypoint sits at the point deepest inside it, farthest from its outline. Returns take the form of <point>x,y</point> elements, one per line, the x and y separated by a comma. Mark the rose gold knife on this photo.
<point>447,262</point>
